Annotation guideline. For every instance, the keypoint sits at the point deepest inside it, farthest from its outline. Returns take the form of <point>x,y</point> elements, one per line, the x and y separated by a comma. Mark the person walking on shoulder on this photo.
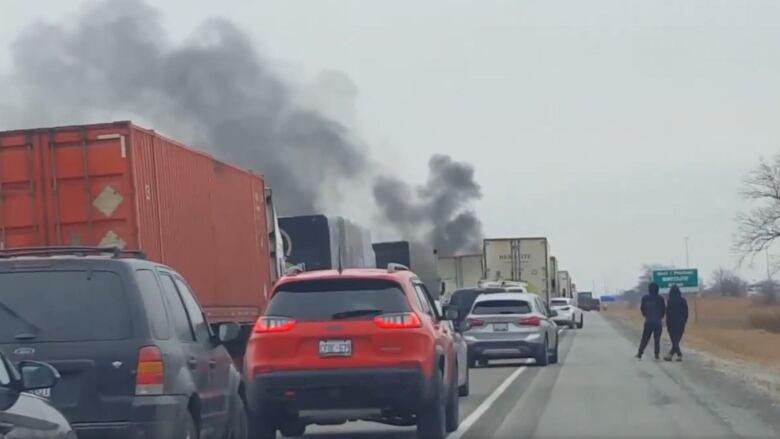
<point>676,318</point>
<point>653,310</point>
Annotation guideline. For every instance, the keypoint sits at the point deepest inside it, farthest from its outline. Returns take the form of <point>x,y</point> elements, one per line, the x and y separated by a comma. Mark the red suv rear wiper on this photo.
<point>356,313</point>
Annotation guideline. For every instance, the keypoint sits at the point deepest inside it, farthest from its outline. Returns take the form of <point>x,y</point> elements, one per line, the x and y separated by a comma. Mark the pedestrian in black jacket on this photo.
<point>653,309</point>
<point>676,318</point>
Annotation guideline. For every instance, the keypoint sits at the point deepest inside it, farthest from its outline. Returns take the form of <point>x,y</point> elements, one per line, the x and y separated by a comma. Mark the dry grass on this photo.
<point>730,328</point>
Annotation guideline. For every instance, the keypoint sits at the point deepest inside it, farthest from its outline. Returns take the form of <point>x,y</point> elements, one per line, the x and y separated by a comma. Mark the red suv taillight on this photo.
<point>150,372</point>
<point>273,324</point>
<point>530,321</point>
<point>475,322</point>
<point>398,321</point>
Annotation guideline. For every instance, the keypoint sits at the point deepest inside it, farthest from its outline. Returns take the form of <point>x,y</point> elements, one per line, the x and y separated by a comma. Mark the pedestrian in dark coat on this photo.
<point>676,318</point>
<point>653,310</point>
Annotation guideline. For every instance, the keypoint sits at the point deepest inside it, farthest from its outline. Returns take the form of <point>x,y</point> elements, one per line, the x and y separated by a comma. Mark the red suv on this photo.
<point>361,344</point>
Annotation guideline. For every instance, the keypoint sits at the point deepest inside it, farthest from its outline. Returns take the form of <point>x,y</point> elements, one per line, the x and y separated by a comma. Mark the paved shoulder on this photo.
<point>600,390</point>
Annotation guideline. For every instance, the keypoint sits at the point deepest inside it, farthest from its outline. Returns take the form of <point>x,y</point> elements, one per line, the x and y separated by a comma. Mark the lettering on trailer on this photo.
<point>523,257</point>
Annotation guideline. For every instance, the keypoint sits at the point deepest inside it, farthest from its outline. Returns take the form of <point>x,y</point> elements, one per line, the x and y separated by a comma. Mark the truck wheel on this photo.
<point>190,429</point>
<point>431,419</point>
<point>294,429</point>
<point>238,422</point>
<point>554,356</point>
<point>464,389</point>
<point>543,356</point>
<point>261,427</point>
<point>452,412</point>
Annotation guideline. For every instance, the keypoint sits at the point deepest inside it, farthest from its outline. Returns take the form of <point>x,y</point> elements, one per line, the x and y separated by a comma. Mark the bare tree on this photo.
<point>727,283</point>
<point>760,226</point>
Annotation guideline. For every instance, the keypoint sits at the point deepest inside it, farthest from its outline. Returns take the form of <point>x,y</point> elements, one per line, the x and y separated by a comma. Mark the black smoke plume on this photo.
<point>214,91</point>
<point>436,212</point>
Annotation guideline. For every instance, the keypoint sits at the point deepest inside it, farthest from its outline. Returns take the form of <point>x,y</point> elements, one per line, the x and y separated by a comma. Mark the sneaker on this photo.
<point>679,358</point>
<point>668,358</point>
<point>638,356</point>
<point>657,358</point>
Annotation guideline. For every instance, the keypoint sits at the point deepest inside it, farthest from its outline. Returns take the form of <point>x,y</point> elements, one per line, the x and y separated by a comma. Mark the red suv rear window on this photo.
<point>337,299</point>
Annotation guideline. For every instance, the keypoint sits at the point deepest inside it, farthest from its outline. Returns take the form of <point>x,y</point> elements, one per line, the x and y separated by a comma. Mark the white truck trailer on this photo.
<point>520,259</point>
<point>564,283</point>
<point>459,271</point>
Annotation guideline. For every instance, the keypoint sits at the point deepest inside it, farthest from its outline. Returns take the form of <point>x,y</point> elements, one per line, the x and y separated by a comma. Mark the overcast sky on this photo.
<point>615,128</point>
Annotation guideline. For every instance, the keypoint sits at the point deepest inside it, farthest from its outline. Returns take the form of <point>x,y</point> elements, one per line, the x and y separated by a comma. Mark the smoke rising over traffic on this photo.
<point>440,203</point>
<point>217,92</point>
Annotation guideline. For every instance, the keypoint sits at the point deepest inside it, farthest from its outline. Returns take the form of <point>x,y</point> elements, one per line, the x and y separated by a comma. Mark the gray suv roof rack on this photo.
<point>115,252</point>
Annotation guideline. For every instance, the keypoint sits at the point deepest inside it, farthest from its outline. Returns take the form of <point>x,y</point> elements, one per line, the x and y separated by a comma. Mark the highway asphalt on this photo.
<point>597,391</point>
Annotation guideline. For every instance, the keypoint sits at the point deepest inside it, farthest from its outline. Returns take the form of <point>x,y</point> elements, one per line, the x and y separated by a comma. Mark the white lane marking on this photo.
<point>561,330</point>
<point>482,408</point>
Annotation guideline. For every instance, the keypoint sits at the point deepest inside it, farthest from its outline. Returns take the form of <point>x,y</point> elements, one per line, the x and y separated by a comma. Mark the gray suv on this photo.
<point>511,325</point>
<point>133,348</point>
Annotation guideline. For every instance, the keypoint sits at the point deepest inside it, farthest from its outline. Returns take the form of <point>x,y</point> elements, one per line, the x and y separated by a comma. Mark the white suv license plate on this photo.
<point>500,327</point>
<point>335,348</point>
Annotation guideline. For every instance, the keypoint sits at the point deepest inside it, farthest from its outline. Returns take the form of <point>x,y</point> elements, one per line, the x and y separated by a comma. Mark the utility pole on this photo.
<point>594,286</point>
<point>687,260</point>
<point>768,270</point>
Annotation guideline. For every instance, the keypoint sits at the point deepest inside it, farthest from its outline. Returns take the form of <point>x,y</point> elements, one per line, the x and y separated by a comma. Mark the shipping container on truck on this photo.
<point>519,259</point>
<point>555,287</point>
<point>116,184</point>
<point>456,272</point>
<point>420,258</point>
<point>318,242</point>
<point>564,281</point>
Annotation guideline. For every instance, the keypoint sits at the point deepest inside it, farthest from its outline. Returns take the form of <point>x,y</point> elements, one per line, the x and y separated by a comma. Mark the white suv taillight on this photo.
<point>150,372</point>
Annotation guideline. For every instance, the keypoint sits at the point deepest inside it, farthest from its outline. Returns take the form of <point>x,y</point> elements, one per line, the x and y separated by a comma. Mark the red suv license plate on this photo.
<point>335,348</point>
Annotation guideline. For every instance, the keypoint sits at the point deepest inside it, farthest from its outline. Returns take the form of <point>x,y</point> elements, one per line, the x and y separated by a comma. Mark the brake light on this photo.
<point>273,324</point>
<point>398,321</point>
<point>475,322</point>
<point>149,375</point>
<point>530,321</point>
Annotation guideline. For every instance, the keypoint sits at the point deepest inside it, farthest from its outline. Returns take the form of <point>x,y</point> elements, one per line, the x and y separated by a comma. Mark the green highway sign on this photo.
<point>682,278</point>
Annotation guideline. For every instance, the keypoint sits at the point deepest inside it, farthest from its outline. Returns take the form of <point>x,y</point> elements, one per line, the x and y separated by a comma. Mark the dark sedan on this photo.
<point>23,414</point>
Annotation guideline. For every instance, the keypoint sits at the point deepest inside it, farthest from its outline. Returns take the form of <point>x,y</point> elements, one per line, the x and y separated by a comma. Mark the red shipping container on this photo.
<point>117,184</point>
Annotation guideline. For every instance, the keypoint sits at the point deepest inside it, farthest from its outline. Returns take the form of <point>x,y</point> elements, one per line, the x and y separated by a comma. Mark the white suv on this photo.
<point>568,314</point>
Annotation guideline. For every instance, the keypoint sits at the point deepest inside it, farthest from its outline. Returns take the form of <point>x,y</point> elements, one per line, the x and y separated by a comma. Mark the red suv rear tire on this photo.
<point>431,420</point>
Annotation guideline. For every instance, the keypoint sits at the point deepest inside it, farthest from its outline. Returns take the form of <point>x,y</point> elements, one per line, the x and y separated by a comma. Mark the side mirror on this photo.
<point>8,397</point>
<point>9,386</point>
<point>228,331</point>
<point>553,313</point>
<point>37,375</point>
<point>464,326</point>
<point>451,313</point>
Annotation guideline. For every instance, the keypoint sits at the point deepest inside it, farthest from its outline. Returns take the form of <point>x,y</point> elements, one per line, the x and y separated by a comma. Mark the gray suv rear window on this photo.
<point>347,299</point>
<point>54,306</point>
<point>502,307</point>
